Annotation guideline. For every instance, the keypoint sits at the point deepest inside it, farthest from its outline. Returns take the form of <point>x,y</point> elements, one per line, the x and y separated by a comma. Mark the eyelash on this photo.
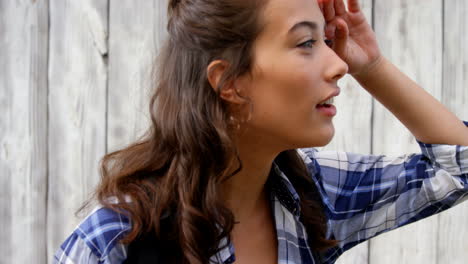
<point>328,42</point>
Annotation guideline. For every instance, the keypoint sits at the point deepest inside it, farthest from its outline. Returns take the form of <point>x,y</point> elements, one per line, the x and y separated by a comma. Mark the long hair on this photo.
<point>168,181</point>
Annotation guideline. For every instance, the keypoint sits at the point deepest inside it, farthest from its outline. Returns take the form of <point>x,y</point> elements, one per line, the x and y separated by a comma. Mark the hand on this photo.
<point>353,38</point>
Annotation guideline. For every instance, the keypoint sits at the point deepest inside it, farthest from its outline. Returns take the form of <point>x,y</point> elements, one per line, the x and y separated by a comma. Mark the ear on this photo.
<point>229,92</point>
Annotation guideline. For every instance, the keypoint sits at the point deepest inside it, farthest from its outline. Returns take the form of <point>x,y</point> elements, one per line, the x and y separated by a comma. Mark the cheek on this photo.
<point>293,83</point>
<point>299,90</point>
<point>287,84</point>
<point>284,94</point>
<point>285,98</point>
<point>289,75</point>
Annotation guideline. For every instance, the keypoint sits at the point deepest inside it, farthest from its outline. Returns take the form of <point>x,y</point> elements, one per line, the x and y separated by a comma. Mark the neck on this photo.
<point>244,193</point>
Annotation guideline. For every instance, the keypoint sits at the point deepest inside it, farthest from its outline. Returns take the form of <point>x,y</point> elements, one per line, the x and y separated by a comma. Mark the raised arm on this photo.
<point>427,119</point>
<point>367,195</point>
<point>355,42</point>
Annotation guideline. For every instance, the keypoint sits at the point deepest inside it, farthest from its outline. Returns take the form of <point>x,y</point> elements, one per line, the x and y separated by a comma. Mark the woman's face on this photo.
<point>294,71</point>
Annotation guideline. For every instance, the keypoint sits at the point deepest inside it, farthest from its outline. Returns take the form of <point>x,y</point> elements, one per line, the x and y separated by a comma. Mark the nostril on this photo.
<point>341,73</point>
<point>344,68</point>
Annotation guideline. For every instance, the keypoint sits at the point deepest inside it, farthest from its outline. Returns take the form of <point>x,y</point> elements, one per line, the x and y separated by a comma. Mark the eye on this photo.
<point>307,44</point>
<point>310,43</point>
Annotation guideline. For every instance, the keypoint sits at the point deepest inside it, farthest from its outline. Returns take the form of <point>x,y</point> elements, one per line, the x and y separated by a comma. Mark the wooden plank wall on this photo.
<point>74,86</point>
<point>417,50</point>
<point>24,38</point>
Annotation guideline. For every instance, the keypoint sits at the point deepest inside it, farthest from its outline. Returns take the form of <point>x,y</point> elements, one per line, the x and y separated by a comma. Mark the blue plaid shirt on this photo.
<point>364,195</point>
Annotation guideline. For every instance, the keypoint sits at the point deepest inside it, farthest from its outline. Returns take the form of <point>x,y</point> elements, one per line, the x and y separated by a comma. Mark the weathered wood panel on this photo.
<point>53,111</point>
<point>137,29</point>
<point>353,124</point>
<point>453,227</point>
<point>409,33</point>
<point>77,109</point>
<point>354,110</point>
<point>23,131</point>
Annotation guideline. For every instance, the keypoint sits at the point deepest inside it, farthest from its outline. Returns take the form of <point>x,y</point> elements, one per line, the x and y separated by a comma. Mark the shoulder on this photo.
<point>96,239</point>
<point>103,228</point>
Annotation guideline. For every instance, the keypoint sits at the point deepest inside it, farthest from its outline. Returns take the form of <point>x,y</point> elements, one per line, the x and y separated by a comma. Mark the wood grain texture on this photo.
<point>23,131</point>
<point>77,109</point>
<point>137,28</point>
<point>409,34</point>
<point>75,84</point>
<point>353,125</point>
<point>453,228</point>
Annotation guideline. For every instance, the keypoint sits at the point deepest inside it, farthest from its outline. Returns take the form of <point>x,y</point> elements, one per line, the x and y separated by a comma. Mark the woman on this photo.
<point>226,172</point>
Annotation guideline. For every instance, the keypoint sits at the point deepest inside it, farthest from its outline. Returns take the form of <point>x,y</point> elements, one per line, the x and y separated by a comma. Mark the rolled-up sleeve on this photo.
<point>366,195</point>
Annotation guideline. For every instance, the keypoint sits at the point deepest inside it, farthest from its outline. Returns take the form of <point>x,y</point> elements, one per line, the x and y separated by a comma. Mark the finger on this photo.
<point>341,36</point>
<point>330,30</point>
<point>353,6</point>
<point>329,10</point>
<point>340,8</point>
<point>320,3</point>
<point>342,30</point>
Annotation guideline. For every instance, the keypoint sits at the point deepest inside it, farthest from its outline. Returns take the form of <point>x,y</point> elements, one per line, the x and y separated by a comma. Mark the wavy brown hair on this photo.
<point>173,174</point>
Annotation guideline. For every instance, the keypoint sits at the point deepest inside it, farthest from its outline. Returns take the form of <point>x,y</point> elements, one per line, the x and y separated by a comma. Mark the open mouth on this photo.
<point>324,105</point>
<point>327,103</point>
<point>327,108</point>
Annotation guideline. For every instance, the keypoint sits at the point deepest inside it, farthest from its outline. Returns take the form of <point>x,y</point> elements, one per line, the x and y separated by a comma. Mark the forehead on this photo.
<point>280,15</point>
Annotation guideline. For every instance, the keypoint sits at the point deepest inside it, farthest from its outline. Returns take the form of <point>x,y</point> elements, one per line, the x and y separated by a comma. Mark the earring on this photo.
<point>234,122</point>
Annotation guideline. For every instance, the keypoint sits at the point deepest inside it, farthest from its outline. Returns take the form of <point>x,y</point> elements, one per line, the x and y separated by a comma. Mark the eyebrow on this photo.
<point>307,24</point>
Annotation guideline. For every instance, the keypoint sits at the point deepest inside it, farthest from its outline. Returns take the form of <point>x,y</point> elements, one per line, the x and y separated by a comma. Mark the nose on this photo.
<point>336,67</point>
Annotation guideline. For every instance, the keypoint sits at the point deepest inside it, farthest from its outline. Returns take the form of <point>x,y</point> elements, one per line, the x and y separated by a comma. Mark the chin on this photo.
<point>321,137</point>
<point>315,139</point>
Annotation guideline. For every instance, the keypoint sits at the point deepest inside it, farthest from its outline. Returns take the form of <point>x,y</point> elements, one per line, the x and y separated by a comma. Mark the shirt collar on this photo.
<point>226,255</point>
<point>280,188</point>
<point>283,190</point>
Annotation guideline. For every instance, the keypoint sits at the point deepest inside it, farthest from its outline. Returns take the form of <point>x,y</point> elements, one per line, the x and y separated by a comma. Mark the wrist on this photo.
<point>370,70</point>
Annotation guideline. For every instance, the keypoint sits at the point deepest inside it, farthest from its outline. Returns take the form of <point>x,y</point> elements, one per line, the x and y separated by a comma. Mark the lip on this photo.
<point>333,94</point>
<point>327,111</point>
